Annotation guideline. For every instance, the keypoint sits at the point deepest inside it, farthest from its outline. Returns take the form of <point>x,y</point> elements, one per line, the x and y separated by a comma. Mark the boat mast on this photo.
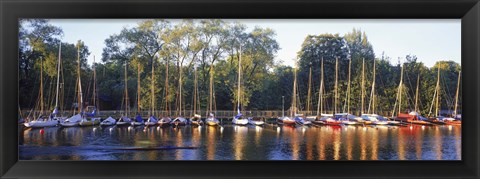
<point>195,89</point>
<point>126,90</point>
<point>372,94</point>
<point>138,86</point>
<point>166,89</point>
<point>456,95</point>
<point>336,85</point>
<point>320,92</point>
<point>400,90</point>
<point>294,97</point>
<point>438,91</point>
<point>58,74</point>
<point>80,97</point>
<point>180,91</point>
<point>94,83</point>
<point>363,85</point>
<point>152,88</point>
<point>348,86</point>
<point>416,92</point>
<point>210,97</point>
<point>309,89</point>
<point>239,76</point>
<point>41,86</point>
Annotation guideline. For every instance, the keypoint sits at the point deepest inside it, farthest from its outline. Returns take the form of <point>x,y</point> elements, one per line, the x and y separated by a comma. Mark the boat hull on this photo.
<point>257,123</point>
<point>107,124</point>
<point>380,123</point>
<point>197,123</point>
<point>123,123</point>
<point>212,123</point>
<point>150,123</point>
<point>69,124</point>
<point>332,123</point>
<point>164,122</point>
<point>347,122</point>
<point>180,121</point>
<point>91,122</point>
<point>286,121</point>
<point>137,123</point>
<point>455,122</point>
<point>436,121</point>
<point>40,124</point>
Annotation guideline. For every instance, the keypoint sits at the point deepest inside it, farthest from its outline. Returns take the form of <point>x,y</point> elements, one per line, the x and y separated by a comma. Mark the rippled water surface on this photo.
<point>270,142</point>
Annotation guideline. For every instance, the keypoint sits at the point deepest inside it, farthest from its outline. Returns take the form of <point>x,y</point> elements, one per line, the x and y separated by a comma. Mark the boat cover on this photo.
<point>138,118</point>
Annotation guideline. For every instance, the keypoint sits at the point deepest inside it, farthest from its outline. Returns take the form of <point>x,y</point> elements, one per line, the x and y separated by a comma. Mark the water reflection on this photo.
<point>269,142</point>
<point>211,142</point>
<point>239,140</point>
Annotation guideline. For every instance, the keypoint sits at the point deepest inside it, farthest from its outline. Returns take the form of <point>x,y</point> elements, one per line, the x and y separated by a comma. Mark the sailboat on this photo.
<point>372,117</point>
<point>179,120</point>
<point>211,119</point>
<point>327,119</point>
<point>256,121</point>
<point>457,118</point>
<point>438,119</point>
<point>239,119</point>
<point>196,119</point>
<point>346,118</point>
<point>109,121</point>
<point>165,120</point>
<point>309,116</point>
<point>294,117</point>
<point>93,120</point>
<point>152,120</point>
<point>413,117</point>
<point>138,121</point>
<point>365,117</point>
<point>53,119</point>
<point>124,119</point>
<point>75,120</point>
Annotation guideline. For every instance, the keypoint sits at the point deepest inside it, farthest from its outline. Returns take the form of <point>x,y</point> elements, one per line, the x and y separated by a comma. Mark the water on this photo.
<point>270,142</point>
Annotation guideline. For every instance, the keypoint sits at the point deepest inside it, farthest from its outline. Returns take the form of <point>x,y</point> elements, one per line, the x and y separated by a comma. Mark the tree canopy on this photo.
<point>171,51</point>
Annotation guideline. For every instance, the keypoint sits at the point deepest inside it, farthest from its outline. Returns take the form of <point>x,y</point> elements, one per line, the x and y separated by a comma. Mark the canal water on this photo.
<point>270,142</point>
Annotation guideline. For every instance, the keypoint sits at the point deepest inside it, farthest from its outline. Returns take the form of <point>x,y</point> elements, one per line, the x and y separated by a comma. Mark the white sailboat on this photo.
<point>346,118</point>
<point>124,119</point>
<point>76,119</point>
<point>165,120</point>
<point>110,121</point>
<point>309,116</point>
<point>294,118</point>
<point>366,118</point>
<point>53,119</point>
<point>239,119</point>
<point>138,121</point>
<point>179,120</point>
<point>455,115</point>
<point>328,119</point>
<point>152,120</point>
<point>196,119</point>
<point>373,117</point>
<point>211,119</point>
<point>93,120</point>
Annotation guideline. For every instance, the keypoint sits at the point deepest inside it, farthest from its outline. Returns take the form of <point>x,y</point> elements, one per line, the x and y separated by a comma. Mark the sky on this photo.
<point>430,40</point>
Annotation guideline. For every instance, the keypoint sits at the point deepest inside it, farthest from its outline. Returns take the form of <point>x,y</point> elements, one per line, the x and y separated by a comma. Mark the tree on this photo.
<point>328,47</point>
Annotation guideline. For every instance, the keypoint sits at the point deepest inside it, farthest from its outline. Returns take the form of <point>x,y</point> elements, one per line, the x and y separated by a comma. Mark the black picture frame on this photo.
<point>466,10</point>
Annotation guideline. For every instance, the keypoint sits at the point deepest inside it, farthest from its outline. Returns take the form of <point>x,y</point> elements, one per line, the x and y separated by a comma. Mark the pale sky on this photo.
<point>430,40</point>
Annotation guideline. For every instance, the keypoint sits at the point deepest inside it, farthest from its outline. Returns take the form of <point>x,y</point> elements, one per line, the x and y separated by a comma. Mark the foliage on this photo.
<point>171,51</point>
